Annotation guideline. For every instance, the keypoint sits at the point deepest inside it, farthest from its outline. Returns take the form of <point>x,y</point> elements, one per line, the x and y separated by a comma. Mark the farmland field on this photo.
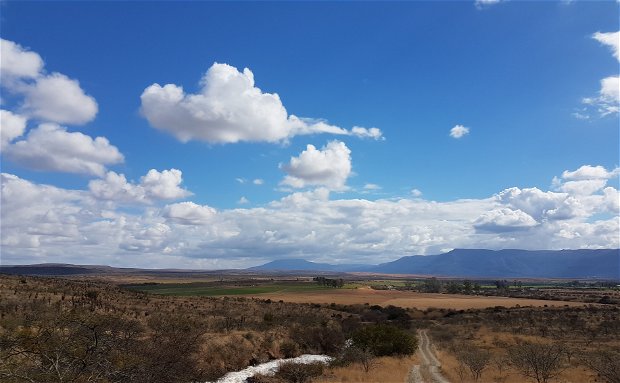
<point>306,292</point>
<point>406,299</point>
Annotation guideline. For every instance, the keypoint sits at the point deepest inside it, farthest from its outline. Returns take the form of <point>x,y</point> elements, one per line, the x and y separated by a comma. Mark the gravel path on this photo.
<point>430,364</point>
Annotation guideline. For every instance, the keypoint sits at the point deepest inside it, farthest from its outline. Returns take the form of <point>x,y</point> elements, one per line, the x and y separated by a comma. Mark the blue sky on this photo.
<point>531,84</point>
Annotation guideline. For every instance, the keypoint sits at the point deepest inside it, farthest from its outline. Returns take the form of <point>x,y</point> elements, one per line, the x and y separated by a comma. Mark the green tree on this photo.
<point>385,340</point>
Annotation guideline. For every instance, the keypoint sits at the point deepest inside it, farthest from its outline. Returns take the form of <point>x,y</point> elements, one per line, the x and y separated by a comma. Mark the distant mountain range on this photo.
<point>509,263</point>
<point>303,265</point>
<point>458,263</point>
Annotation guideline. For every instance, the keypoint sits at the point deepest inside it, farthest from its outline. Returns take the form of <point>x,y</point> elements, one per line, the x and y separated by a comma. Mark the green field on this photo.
<point>200,289</point>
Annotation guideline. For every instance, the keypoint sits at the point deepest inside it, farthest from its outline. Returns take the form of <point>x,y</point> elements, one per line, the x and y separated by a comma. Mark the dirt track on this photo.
<point>430,365</point>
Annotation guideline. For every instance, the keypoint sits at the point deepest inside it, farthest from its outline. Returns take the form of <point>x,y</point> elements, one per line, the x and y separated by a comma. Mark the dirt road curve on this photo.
<point>429,370</point>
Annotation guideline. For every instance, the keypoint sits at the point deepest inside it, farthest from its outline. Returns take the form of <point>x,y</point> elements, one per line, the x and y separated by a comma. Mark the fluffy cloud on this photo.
<point>608,100</point>
<point>51,147</point>
<point>114,187</point>
<point>43,223</point>
<point>329,167</point>
<point>17,62</point>
<point>606,103</point>
<point>582,187</point>
<point>458,131</point>
<point>611,39</point>
<point>585,181</point>
<point>374,133</point>
<point>37,215</point>
<point>542,205</point>
<point>578,194</point>
<point>503,219</point>
<point>11,126</point>
<point>154,185</point>
<point>372,187</point>
<point>51,98</point>
<point>485,3</point>
<point>59,99</point>
<point>610,91</point>
<point>230,108</point>
<point>164,185</point>
<point>589,172</point>
<point>243,201</point>
<point>188,213</point>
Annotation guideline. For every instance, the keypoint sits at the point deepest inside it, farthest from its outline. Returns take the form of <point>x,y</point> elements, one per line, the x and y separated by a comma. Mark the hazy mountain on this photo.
<point>603,263</point>
<point>509,263</point>
<point>303,265</point>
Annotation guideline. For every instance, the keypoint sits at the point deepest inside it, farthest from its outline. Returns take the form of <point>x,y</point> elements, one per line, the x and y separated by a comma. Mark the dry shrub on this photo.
<point>289,349</point>
<point>605,363</point>
<point>298,372</point>
<point>475,359</point>
<point>538,361</point>
<point>232,354</point>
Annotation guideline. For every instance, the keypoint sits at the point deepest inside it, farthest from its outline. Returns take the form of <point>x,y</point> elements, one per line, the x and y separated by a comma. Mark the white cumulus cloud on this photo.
<point>114,187</point>
<point>18,62</point>
<point>51,147</point>
<point>504,219</point>
<point>155,185</point>
<point>542,205</point>
<point>11,126</point>
<point>485,3</point>
<point>372,187</point>
<point>458,131</point>
<point>188,213</point>
<point>608,100</point>
<point>42,223</point>
<point>416,193</point>
<point>585,181</point>
<point>329,167</point>
<point>589,172</point>
<point>374,133</point>
<point>243,201</point>
<point>229,108</point>
<point>46,97</point>
<point>164,184</point>
<point>59,99</point>
<point>611,39</point>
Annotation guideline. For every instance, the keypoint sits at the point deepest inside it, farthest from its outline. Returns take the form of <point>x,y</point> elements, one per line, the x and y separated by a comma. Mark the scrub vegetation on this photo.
<point>87,330</point>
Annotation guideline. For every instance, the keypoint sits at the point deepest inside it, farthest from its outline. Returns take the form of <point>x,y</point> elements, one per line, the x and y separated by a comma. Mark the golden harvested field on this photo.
<point>406,299</point>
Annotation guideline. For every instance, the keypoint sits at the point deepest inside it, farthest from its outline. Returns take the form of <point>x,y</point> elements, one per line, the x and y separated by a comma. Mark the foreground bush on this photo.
<point>80,346</point>
<point>385,340</point>
<point>298,372</point>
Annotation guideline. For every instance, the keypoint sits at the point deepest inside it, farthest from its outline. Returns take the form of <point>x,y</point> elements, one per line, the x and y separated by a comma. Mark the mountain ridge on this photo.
<point>483,263</point>
<point>457,263</point>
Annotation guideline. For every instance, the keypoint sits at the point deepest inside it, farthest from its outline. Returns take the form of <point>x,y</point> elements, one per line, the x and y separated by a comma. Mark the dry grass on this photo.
<point>507,375</point>
<point>387,370</point>
<point>486,338</point>
<point>407,299</point>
